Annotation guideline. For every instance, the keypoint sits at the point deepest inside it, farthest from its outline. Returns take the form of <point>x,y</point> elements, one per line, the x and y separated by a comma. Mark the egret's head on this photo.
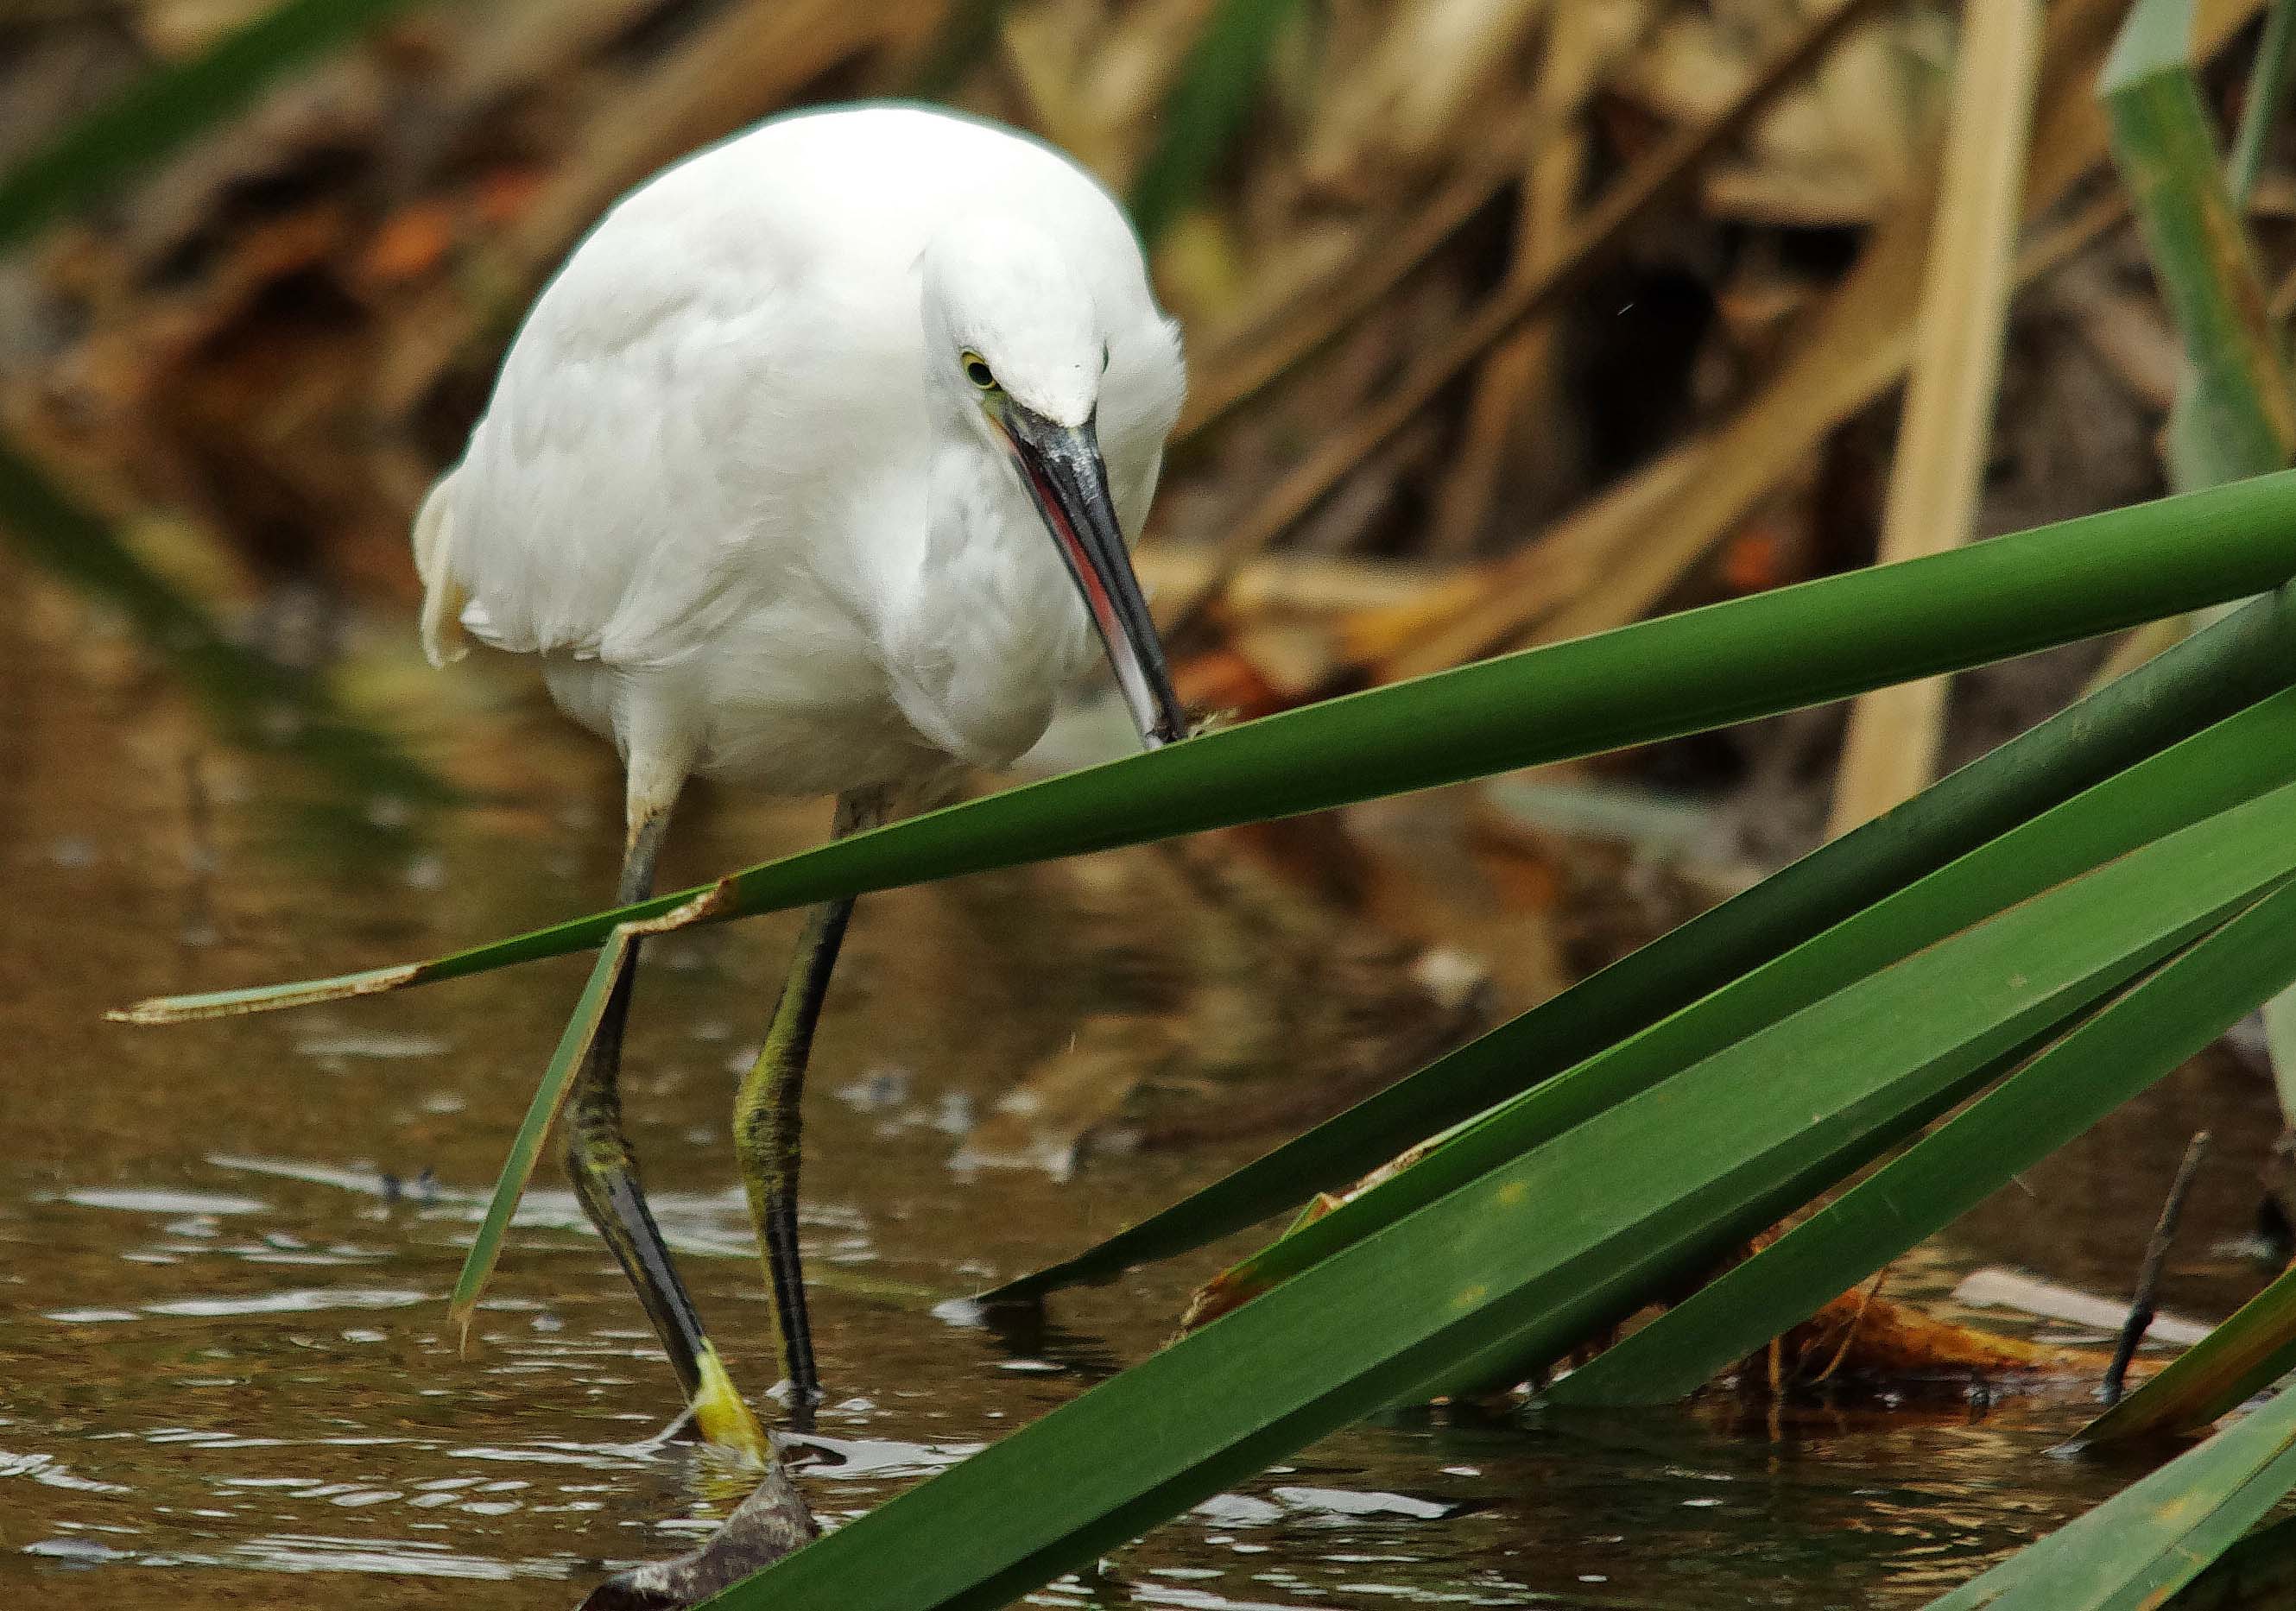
<point>1012,334</point>
<point>1009,321</point>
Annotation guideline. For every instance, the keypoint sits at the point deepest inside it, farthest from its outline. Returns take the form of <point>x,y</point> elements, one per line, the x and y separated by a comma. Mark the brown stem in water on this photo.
<point>2148,1278</point>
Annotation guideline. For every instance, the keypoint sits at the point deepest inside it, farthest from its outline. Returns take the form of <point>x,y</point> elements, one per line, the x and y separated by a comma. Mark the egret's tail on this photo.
<point>443,597</point>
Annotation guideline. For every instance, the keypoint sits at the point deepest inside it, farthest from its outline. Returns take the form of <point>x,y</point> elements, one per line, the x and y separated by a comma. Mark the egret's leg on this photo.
<point>605,1175</point>
<point>766,1117</point>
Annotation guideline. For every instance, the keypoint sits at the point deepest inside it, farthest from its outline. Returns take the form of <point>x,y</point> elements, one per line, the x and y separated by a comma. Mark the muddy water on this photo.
<point>225,1373</point>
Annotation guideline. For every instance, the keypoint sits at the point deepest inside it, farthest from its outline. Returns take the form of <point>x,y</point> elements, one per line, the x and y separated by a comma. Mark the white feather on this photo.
<point>726,485</point>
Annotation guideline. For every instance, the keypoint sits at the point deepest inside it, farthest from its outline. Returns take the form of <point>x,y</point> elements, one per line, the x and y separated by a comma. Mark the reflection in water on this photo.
<point>226,1356</point>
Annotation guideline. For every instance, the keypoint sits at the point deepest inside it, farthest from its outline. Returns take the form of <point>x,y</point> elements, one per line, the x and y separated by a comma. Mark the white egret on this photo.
<point>814,468</point>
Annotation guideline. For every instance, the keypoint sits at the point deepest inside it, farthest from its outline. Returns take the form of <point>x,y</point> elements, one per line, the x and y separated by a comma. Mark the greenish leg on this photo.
<point>605,1177</point>
<point>767,1118</point>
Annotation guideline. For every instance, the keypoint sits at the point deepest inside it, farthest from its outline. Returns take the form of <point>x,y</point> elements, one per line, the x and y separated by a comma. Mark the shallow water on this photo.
<point>228,1379</point>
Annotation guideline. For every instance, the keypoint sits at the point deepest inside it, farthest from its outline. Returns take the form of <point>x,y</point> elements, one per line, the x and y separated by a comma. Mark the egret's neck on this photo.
<point>993,627</point>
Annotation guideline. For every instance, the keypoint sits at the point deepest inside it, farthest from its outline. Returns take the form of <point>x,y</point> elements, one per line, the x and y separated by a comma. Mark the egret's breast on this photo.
<point>987,628</point>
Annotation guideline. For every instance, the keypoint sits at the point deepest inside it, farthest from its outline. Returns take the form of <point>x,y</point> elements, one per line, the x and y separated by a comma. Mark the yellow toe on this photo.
<point>722,1418</point>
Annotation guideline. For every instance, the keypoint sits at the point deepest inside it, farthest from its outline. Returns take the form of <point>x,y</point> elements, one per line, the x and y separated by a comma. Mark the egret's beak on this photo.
<point>1062,467</point>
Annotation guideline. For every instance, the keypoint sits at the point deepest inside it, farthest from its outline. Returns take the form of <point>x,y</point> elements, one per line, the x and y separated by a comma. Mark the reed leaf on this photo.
<point>1663,678</point>
<point>2267,97</point>
<point>2197,682</point>
<point>2236,415</point>
<point>2107,1059</point>
<point>574,1044</point>
<point>1534,1253</point>
<point>2241,757</point>
<point>2259,1570</point>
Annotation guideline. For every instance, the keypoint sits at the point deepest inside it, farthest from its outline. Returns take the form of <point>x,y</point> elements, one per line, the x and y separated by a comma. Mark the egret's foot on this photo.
<point>719,1414</point>
<point>800,1417</point>
<point>769,1524</point>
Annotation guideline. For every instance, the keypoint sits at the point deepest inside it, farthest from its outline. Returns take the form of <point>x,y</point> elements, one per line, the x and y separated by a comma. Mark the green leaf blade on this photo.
<point>1664,678</point>
<point>2238,759</point>
<point>2236,413</point>
<point>2123,1048</point>
<point>2080,750</point>
<point>574,1044</point>
<point>1519,1257</point>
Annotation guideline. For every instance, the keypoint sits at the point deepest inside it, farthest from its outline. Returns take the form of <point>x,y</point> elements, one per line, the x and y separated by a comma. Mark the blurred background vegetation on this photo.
<point>1508,319</point>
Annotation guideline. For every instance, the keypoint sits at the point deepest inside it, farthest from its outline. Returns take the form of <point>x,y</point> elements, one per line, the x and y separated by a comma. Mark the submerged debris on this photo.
<point>769,1524</point>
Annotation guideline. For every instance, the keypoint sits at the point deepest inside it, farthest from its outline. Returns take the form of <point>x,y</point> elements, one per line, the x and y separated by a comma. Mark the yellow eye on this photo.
<point>976,371</point>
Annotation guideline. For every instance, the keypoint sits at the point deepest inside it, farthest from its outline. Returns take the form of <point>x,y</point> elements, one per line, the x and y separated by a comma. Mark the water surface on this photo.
<point>228,1376</point>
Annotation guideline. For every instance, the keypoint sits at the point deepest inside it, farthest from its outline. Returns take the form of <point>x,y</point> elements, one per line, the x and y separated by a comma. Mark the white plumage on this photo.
<point>730,486</point>
<point>816,466</point>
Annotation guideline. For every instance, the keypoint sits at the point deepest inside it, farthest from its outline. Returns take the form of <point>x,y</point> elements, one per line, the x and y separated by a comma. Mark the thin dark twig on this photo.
<point>2148,1277</point>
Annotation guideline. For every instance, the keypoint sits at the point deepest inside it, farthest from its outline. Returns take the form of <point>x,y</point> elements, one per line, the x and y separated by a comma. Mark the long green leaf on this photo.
<point>2250,1352</point>
<point>2208,676</point>
<point>2236,415</point>
<point>2115,1053</point>
<point>2267,88</point>
<point>1528,1254</point>
<point>2237,760</point>
<point>2139,1548</point>
<point>510,1185</point>
<point>1676,675</point>
<point>1506,1364</point>
<point>174,104</point>
<point>2235,409</point>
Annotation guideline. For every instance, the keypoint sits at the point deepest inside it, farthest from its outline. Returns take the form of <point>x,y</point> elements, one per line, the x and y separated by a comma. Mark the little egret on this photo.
<point>813,468</point>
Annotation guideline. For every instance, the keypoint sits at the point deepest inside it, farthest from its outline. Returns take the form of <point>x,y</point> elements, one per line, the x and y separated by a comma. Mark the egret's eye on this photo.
<point>976,371</point>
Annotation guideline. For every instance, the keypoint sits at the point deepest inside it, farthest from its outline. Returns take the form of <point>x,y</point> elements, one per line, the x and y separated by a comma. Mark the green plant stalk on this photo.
<point>1561,1227</point>
<point>2140,1547</point>
<point>1681,674</point>
<point>2251,655</point>
<point>2237,412</point>
<point>1664,1269</point>
<point>2238,759</point>
<point>573,1046</point>
<point>2110,1057</point>
<point>2268,91</point>
<point>173,105</point>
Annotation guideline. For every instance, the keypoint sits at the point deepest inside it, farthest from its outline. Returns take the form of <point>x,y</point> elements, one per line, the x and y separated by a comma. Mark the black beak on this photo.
<point>1062,467</point>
